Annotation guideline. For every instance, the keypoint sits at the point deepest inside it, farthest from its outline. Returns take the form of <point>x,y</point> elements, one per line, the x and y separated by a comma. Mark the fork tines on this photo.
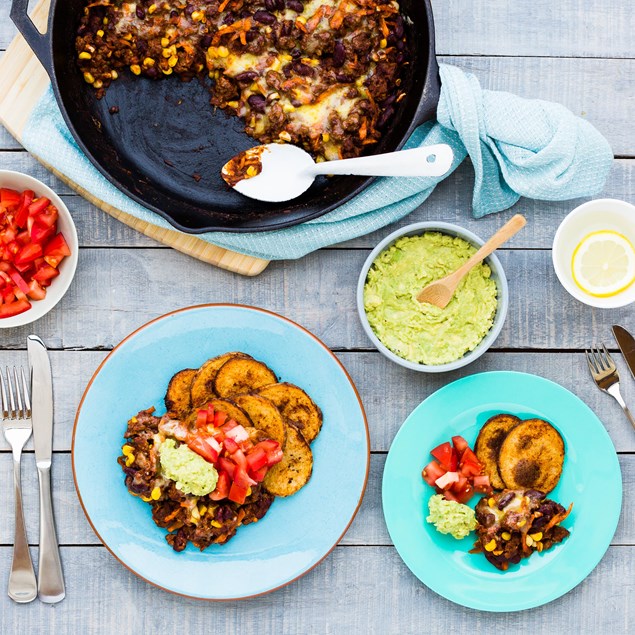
<point>599,360</point>
<point>16,403</point>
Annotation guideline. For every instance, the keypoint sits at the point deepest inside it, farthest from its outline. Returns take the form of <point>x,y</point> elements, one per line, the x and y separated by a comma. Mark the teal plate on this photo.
<point>299,531</point>
<point>590,479</point>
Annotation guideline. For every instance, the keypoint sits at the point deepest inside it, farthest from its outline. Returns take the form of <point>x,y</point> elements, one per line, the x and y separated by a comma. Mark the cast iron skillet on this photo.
<point>166,131</point>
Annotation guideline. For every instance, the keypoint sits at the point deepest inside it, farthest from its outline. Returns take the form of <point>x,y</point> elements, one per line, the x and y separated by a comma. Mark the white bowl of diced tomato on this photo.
<point>38,249</point>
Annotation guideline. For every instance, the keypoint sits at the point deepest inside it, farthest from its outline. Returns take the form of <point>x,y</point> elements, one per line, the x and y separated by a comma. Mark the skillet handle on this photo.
<point>432,88</point>
<point>38,42</point>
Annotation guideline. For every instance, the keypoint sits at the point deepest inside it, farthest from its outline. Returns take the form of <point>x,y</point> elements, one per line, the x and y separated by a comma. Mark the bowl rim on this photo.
<point>556,246</point>
<point>40,308</point>
<point>502,299</point>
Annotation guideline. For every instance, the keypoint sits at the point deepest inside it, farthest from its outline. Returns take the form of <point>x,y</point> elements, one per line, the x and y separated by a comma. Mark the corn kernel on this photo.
<point>100,33</point>
<point>222,51</point>
<point>114,74</point>
<point>285,136</point>
<point>126,450</point>
<point>288,108</point>
<point>212,51</point>
<point>104,21</point>
<point>202,509</point>
<point>166,71</point>
<point>506,535</point>
<point>326,136</point>
<point>491,545</point>
<point>498,553</point>
<point>232,104</point>
<point>148,61</point>
<point>166,53</point>
<point>216,524</point>
<point>276,65</point>
<point>85,56</point>
<point>319,159</point>
<point>136,69</point>
<point>539,546</point>
<point>523,522</point>
<point>130,460</point>
<point>252,171</point>
<point>173,61</point>
<point>273,96</point>
<point>88,78</point>
<point>134,419</point>
<point>301,19</point>
<point>98,83</point>
<point>156,494</point>
<point>537,536</point>
<point>491,502</point>
<point>127,36</point>
<point>383,43</point>
<point>146,499</point>
<point>165,42</point>
<point>285,57</point>
<point>249,491</point>
<point>197,16</point>
<point>529,541</point>
<point>152,8</point>
<point>199,68</point>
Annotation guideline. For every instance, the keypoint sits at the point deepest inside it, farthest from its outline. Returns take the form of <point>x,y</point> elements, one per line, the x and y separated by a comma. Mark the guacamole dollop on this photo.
<point>450,517</point>
<point>422,332</point>
<point>191,472</point>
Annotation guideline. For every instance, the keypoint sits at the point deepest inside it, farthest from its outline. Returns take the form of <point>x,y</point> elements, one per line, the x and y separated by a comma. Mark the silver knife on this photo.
<point>626,342</point>
<point>50,582</point>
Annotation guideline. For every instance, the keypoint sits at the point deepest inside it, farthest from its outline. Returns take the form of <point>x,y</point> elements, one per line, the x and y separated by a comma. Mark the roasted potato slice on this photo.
<point>264,416</point>
<point>294,471</point>
<point>232,411</point>
<point>531,456</point>
<point>488,445</point>
<point>241,375</point>
<point>203,383</point>
<point>177,398</point>
<point>296,407</point>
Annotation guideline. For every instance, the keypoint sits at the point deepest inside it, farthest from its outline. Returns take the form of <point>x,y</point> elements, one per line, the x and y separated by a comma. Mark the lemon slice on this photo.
<point>603,264</point>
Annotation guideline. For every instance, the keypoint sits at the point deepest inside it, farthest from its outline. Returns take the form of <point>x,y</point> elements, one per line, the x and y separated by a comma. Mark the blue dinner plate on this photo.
<point>590,479</point>
<point>298,531</point>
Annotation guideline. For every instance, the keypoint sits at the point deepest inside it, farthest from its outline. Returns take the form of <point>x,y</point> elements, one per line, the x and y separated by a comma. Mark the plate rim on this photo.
<point>230,306</point>
<point>570,585</point>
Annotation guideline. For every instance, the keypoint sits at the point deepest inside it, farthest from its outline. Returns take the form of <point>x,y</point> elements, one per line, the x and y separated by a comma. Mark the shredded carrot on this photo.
<point>384,27</point>
<point>172,515</point>
<point>363,129</point>
<point>312,23</point>
<point>223,5</point>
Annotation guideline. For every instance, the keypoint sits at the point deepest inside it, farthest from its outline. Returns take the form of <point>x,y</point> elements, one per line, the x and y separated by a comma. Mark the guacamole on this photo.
<point>450,517</point>
<point>422,332</point>
<point>192,473</point>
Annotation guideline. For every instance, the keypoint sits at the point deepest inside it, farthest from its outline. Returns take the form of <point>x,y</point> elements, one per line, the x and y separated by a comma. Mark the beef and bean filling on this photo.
<point>323,74</point>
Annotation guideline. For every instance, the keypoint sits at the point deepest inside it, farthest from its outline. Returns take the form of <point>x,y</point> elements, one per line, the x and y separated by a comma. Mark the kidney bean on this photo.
<point>152,72</point>
<point>286,69</point>
<point>535,494</point>
<point>142,46</point>
<point>303,69</point>
<point>82,29</point>
<point>206,40</point>
<point>287,27</point>
<point>246,76</point>
<point>229,18</point>
<point>141,12</point>
<point>400,45</point>
<point>282,5</point>
<point>296,53</point>
<point>400,58</point>
<point>399,29</point>
<point>339,54</point>
<point>343,78</point>
<point>539,523</point>
<point>252,34</point>
<point>270,5</point>
<point>189,9</point>
<point>385,116</point>
<point>174,13</point>
<point>505,499</point>
<point>388,101</point>
<point>295,5</point>
<point>245,14</point>
<point>264,17</point>
<point>257,102</point>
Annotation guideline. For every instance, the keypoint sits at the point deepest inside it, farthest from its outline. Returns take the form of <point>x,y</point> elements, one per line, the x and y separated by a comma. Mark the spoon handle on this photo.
<point>509,229</point>
<point>433,160</point>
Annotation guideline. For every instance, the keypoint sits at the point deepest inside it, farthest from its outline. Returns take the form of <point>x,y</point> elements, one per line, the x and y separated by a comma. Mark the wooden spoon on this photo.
<point>441,291</point>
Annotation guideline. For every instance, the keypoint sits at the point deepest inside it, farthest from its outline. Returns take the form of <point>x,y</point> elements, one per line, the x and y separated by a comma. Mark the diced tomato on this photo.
<point>19,281</point>
<point>241,478</point>
<point>237,494</point>
<point>237,433</point>
<point>9,198</point>
<point>259,475</point>
<point>28,253</point>
<point>55,250</point>
<point>448,495</point>
<point>201,415</point>
<point>463,495</point>
<point>40,233</point>
<point>231,446</point>
<point>48,217</point>
<point>257,459</point>
<point>227,465</point>
<point>22,213</point>
<point>239,458</point>
<point>198,445</point>
<point>468,455</point>
<point>444,481</point>
<point>219,418</point>
<point>35,291</point>
<point>273,450</point>
<point>482,484</point>
<point>432,472</point>
<point>470,469</point>
<point>7,295</point>
<point>222,487</point>
<point>14,308</point>
<point>8,235</point>
<point>460,484</point>
<point>228,426</point>
<point>460,444</point>
<point>446,456</point>
<point>38,206</point>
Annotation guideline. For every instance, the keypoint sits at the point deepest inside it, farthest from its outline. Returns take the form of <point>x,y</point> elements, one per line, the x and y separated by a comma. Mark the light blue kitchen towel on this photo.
<point>518,147</point>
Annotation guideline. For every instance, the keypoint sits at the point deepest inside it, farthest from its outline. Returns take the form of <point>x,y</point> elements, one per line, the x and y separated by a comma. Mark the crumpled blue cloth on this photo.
<point>518,147</point>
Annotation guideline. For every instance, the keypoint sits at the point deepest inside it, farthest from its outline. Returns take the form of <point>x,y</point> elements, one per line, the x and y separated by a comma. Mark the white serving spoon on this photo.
<point>288,171</point>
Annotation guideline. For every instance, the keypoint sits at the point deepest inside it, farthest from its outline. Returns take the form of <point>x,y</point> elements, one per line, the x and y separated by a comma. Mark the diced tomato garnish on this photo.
<point>219,418</point>
<point>22,213</point>
<point>459,444</point>
<point>231,446</point>
<point>55,250</point>
<point>470,469</point>
<point>257,459</point>
<point>432,472</point>
<point>28,253</point>
<point>469,456</point>
<point>8,235</point>
<point>448,495</point>
<point>241,478</point>
<point>19,281</point>
<point>237,433</point>
<point>201,418</point>
<point>227,465</point>
<point>446,456</point>
<point>222,487</point>
<point>444,481</point>
<point>463,495</point>
<point>35,291</point>
<point>40,233</point>
<point>14,308</point>
<point>228,426</point>
<point>198,445</point>
<point>237,494</point>
<point>239,458</point>
<point>9,198</point>
<point>38,205</point>
<point>48,217</point>
<point>482,484</point>
<point>259,475</point>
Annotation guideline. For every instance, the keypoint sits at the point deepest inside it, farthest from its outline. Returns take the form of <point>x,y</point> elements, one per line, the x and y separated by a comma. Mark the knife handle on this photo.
<point>50,582</point>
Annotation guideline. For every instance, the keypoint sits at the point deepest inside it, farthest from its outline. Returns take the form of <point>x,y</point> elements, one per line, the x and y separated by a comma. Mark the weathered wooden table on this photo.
<point>580,53</point>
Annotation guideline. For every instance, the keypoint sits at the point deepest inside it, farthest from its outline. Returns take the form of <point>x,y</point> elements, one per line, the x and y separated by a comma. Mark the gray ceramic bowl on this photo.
<point>498,275</point>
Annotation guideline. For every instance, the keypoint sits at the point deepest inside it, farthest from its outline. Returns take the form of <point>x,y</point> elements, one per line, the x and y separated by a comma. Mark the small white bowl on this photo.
<point>59,285</point>
<point>498,275</point>
<point>601,214</point>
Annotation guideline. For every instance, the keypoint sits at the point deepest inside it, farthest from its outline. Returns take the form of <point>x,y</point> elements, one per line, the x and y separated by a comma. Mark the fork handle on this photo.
<point>614,391</point>
<point>22,583</point>
<point>51,579</point>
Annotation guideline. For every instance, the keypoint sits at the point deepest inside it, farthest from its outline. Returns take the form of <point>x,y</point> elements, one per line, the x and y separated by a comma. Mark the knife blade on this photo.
<point>50,577</point>
<point>626,342</point>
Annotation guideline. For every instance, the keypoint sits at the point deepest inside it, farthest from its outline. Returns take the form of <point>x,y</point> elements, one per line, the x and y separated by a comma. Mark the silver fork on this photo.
<point>604,372</point>
<point>17,428</point>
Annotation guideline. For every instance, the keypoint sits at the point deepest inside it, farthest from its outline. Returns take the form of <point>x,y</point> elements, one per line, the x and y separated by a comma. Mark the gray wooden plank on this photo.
<point>368,528</point>
<point>597,28</point>
<point>376,378</point>
<point>355,590</point>
<point>600,90</point>
<point>118,290</point>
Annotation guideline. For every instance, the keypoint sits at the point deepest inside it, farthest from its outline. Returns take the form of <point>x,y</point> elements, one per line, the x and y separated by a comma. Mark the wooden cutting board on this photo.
<point>23,81</point>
